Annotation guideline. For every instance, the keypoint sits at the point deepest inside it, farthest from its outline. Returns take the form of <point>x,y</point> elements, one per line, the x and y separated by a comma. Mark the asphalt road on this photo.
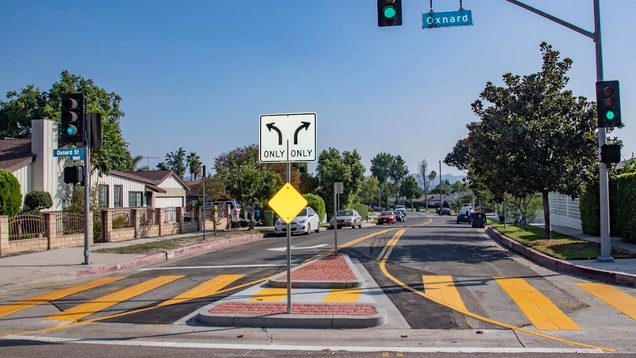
<point>441,277</point>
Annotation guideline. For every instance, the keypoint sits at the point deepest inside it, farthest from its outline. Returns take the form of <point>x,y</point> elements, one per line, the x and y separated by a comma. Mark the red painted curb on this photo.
<point>167,255</point>
<point>561,265</point>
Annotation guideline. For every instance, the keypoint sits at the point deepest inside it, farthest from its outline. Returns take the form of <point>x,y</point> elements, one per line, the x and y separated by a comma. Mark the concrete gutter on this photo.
<point>618,278</point>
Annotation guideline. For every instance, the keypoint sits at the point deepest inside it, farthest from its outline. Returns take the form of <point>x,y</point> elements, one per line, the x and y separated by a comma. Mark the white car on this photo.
<point>305,222</point>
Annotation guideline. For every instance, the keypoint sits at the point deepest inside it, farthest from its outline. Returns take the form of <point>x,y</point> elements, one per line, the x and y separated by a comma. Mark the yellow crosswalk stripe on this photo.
<point>205,289</point>
<point>98,304</point>
<point>613,297</point>
<point>443,289</point>
<point>543,314</point>
<point>343,295</point>
<point>269,294</point>
<point>55,295</point>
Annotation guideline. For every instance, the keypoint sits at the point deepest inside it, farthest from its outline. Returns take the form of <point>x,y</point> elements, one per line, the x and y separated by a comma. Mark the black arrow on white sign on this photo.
<point>271,126</point>
<point>303,125</point>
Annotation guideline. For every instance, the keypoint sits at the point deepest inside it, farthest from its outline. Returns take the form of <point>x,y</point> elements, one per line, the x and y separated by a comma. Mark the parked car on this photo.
<point>445,211</point>
<point>462,217</point>
<point>400,216</point>
<point>236,216</point>
<point>349,218</point>
<point>376,207</point>
<point>387,217</point>
<point>401,208</point>
<point>305,222</point>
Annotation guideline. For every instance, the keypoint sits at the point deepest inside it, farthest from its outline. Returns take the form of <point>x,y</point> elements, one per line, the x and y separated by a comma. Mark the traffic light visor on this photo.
<point>69,117</point>
<point>69,104</point>
<point>71,130</point>
<point>609,91</point>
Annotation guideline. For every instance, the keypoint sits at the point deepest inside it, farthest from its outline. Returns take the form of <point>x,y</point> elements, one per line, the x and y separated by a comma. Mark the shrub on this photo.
<point>626,198</point>
<point>38,200</point>
<point>589,210</point>
<point>362,209</point>
<point>10,196</point>
<point>316,203</point>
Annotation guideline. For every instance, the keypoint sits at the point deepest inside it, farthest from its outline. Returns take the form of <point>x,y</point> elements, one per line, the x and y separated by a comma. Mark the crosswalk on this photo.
<point>542,312</point>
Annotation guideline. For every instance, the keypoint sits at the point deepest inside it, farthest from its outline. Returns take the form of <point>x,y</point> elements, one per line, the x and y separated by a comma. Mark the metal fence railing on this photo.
<point>69,222</point>
<point>170,214</point>
<point>26,226</point>
<point>122,218</point>
<point>148,217</point>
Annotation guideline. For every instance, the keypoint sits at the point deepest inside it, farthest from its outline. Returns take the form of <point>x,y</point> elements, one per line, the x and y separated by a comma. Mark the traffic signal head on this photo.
<point>610,153</point>
<point>74,175</point>
<point>389,13</point>
<point>72,119</point>
<point>608,104</point>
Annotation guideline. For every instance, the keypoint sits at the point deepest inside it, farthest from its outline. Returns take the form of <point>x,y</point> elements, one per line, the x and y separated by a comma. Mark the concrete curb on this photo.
<point>168,255</point>
<point>291,320</point>
<point>358,282</point>
<point>562,265</point>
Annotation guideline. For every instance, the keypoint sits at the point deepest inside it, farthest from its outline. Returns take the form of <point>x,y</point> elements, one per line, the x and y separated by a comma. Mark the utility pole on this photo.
<point>606,245</point>
<point>440,187</point>
<point>204,217</point>
<point>88,222</point>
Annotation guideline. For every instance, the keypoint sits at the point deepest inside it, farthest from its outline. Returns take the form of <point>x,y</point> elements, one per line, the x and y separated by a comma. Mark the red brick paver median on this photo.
<point>299,308</point>
<point>329,268</point>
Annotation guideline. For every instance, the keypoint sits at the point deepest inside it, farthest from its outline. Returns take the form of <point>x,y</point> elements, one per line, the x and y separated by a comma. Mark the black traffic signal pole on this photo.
<point>87,185</point>
<point>606,246</point>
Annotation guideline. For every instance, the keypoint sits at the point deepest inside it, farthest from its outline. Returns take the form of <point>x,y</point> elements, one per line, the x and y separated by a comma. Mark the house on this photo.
<point>194,193</point>
<point>32,162</point>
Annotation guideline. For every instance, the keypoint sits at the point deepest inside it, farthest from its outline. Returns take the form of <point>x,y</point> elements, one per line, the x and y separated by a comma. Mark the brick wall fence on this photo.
<point>32,232</point>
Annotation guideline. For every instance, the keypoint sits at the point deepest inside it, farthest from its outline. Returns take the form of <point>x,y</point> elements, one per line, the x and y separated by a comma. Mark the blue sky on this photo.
<point>198,73</point>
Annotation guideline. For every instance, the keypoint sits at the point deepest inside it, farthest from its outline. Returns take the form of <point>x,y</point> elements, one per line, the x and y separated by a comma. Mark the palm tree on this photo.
<point>194,164</point>
<point>135,161</point>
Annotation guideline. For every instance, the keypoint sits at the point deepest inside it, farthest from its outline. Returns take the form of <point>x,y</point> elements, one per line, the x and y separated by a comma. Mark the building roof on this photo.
<point>156,177</point>
<point>149,184</point>
<point>195,188</point>
<point>15,153</point>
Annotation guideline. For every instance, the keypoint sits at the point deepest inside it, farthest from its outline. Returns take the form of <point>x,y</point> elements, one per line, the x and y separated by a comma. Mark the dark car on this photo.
<point>399,216</point>
<point>444,211</point>
<point>463,218</point>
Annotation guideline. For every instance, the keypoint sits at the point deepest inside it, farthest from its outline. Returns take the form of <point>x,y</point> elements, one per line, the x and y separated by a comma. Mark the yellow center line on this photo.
<point>479,317</point>
<point>55,295</point>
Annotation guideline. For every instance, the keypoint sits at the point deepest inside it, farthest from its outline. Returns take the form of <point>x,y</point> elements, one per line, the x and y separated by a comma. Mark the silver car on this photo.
<point>305,222</point>
<point>349,218</point>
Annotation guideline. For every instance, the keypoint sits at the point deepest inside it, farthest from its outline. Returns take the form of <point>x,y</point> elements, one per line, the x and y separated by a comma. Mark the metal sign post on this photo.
<point>204,217</point>
<point>87,187</point>
<point>338,188</point>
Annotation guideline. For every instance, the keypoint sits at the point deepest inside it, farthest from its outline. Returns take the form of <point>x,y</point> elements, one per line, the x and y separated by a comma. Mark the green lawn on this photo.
<point>561,246</point>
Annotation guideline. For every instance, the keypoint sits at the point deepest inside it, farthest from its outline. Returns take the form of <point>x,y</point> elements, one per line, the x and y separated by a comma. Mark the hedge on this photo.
<point>362,209</point>
<point>626,220</point>
<point>589,209</point>
<point>316,203</point>
<point>10,195</point>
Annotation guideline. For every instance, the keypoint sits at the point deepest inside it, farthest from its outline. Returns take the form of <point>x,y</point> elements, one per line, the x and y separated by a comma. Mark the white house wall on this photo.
<point>24,175</point>
<point>171,183</point>
<point>127,186</point>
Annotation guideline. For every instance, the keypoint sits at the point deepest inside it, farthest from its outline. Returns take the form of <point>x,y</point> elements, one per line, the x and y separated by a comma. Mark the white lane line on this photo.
<point>297,247</point>
<point>211,267</point>
<point>284,347</point>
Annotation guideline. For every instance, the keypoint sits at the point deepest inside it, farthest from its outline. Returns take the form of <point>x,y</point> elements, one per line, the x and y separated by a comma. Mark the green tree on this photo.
<point>214,188</point>
<point>422,170</point>
<point>535,136</point>
<point>175,161</point>
<point>410,189</point>
<point>335,167</point>
<point>10,195</point>
<point>381,168</point>
<point>194,165</point>
<point>397,172</point>
<point>32,103</point>
<point>369,190</point>
<point>308,182</point>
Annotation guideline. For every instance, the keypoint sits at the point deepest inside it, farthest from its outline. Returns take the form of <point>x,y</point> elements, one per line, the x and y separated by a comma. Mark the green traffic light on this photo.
<point>389,12</point>
<point>71,130</point>
<point>610,115</point>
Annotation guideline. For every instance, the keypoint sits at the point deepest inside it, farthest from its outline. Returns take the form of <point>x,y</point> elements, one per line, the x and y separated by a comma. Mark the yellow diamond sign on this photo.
<point>287,203</point>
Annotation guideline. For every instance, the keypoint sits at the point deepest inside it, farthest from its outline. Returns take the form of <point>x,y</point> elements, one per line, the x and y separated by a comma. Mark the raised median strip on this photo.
<point>562,265</point>
<point>305,315</point>
<point>333,271</point>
